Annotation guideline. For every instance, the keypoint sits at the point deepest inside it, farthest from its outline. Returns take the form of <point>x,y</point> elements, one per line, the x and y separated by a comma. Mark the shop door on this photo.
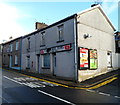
<point>54,64</point>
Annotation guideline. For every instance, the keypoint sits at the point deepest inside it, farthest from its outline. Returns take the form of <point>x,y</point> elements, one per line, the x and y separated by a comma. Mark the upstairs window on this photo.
<point>42,38</point>
<point>60,33</point>
<point>28,44</point>
<point>17,44</point>
<point>11,47</point>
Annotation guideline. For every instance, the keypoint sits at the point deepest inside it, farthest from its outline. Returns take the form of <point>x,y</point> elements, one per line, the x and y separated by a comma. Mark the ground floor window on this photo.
<point>46,61</point>
<point>28,62</point>
<point>88,59</point>
<point>16,59</point>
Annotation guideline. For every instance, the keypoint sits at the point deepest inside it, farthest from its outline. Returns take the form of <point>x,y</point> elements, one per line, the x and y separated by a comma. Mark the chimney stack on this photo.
<point>39,25</point>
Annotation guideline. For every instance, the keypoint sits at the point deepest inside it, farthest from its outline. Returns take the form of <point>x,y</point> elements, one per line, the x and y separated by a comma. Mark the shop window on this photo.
<point>46,61</point>
<point>93,59</point>
<point>88,59</point>
<point>83,58</point>
<point>60,33</point>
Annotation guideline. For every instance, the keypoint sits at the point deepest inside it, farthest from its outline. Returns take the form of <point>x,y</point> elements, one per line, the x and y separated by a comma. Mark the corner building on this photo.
<point>76,48</point>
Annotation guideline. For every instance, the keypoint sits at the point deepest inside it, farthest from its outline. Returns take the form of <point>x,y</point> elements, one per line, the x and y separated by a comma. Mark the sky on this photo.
<point>18,18</point>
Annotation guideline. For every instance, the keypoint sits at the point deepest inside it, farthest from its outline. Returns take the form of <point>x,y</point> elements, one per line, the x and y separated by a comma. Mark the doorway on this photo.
<point>10,64</point>
<point>38,64</point>
<point>54,64</point>
<point>109,59</point>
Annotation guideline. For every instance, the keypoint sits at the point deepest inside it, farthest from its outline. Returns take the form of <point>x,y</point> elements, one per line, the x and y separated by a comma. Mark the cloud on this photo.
<point>9,25</point>
<point>110,7</point>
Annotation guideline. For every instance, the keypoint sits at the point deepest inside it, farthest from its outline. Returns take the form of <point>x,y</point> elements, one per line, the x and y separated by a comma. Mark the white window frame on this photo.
<point>11,47</point>
<point>17,45</point>
<point>16,60</point>
<point>60,32</point>
<point>46,64</point>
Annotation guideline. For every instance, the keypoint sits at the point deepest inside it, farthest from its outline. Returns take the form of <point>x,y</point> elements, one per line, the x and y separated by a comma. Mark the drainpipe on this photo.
<point>21,54</point>
<point>75,48</point>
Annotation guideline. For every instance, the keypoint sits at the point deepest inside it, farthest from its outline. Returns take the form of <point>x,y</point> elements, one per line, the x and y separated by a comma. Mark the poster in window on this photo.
<point>83,58</point>
<point>93,59</point>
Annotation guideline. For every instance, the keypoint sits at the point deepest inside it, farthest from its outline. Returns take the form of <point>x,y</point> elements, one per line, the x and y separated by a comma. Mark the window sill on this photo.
<point>60,41</point>
<point>27,68</point>
<point>45,67</point>
<point>42,45</point>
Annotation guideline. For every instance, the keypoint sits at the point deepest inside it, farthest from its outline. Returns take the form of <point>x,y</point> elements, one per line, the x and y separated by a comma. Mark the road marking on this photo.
<point>12,80</point>
<point>4,99</point>
<point>29,79</point>
<point>104,94</point>
<point>56,97</point>
<point>92,87</point>
<point>101,80</point>
<point>29,84</point>
<point>116,96</point>
<point>103,83</point>
<point>90,90</point>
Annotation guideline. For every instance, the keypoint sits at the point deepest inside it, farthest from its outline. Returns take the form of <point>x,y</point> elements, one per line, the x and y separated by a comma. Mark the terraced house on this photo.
<point>76,48</point>
<point>12,54</point>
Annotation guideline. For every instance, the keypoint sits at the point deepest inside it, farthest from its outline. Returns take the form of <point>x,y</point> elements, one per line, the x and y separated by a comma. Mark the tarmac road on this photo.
<point>17,88</point>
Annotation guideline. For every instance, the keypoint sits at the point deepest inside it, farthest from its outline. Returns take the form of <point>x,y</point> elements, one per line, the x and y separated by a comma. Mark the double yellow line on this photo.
<point>92,86</point>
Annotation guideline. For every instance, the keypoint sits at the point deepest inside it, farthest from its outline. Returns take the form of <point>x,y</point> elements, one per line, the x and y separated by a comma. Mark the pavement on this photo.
<point>92,83</point>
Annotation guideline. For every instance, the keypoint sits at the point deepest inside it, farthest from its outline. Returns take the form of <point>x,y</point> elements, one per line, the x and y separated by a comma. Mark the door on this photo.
<point>10,64</point>
<point>54,64</point>
<point>109,59</point>
<point>38,64</point>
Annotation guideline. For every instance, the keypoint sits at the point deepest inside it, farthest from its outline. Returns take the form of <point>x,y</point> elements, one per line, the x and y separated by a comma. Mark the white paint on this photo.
<point>90,90</point>
<point>12,80</point>
<point>116,96</point>
<point>5,99</point>
<point>29,84</point>
<point>104,94</point>
<point>33,85</point>
<point>24,79</point>
<point>49,84</point>
<point>56,97</point>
